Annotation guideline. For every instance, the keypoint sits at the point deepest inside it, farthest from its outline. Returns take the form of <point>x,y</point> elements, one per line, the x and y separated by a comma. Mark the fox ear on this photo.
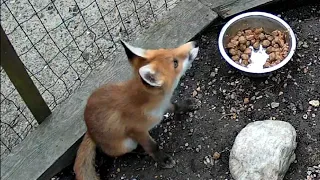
<point>132,51</point>
<point>149,76</point>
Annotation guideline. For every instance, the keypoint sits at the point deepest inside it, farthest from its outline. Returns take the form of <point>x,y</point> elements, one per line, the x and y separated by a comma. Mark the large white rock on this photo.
<point>263,150</point>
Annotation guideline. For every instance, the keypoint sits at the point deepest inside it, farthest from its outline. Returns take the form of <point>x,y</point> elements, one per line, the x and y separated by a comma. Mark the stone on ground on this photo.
<point>263,150</point>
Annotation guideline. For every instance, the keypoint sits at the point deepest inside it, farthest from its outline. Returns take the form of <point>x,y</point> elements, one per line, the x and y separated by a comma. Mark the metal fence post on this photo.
<point>18,75</point>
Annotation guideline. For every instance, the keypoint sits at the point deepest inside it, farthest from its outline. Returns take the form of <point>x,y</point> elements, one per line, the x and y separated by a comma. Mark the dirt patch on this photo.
<point>223,113</point>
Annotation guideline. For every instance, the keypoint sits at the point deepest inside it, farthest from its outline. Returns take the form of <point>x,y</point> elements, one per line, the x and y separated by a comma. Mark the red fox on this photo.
<point>119,116</point>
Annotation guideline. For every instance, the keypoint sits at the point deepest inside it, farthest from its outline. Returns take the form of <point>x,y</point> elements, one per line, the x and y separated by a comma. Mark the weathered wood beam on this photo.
<point>12,65</point>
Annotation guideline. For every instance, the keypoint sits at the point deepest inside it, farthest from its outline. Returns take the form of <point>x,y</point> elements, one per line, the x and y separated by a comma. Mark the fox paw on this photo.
<point>188,105</point>
<point>165,161</point>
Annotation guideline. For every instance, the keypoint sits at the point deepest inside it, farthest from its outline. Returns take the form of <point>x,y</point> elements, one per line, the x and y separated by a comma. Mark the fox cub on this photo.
<point>119,116</point>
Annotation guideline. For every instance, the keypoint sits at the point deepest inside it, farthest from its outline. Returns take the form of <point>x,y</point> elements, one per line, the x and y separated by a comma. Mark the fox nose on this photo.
<point>195,44</point>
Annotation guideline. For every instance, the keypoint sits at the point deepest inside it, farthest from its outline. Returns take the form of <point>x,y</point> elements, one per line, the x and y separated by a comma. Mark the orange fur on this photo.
<point>120,115</point>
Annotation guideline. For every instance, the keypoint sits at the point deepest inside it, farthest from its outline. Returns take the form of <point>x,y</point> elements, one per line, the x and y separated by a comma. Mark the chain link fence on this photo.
<point>60,44</point>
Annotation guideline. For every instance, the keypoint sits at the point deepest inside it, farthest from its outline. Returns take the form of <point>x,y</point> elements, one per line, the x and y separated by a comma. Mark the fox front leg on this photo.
<point>152,148</point>
<point>187,105</point>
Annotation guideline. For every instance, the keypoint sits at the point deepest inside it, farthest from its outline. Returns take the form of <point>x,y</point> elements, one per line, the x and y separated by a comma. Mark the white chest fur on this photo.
<point>159,111</point>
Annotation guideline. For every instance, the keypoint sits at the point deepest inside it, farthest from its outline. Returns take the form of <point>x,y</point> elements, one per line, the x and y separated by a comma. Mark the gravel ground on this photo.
<point>200,141</point>
<point>56,63</point>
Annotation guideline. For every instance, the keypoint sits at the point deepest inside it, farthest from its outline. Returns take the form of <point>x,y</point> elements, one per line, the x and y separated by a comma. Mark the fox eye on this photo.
<point>175,63</point>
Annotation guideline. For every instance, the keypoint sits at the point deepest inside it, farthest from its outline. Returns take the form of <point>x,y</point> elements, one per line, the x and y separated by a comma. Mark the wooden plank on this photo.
<point>179,26</point>
<point>52,145</point>
<point>227,8</point>
<point>216,3</point>
<point>236,6</point>
<point>19,77</point>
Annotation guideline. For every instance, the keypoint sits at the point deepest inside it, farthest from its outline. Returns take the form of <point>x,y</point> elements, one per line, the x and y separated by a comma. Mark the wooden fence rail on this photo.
<point>15,69</point>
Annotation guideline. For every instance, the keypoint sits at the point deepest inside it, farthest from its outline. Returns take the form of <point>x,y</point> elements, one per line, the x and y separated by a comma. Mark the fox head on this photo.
<point>161,68</point>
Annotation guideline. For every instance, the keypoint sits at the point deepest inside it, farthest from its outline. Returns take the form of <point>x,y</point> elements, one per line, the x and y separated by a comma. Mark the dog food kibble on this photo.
<point>243,47</point>
<point>258,30</point>
<point>235,58</point>
<point>262,36</point>
<point>248,31</point>
<point>270,38</point>
<point>250,37</point>
<point>233,52</point>
<point>245,62</point>
<point>275,33</point>
<point>247,51</point>
<point>269,50</point>
<point>242,40</point>
<point>272,56</point>
<point>256,45</point>
<point>266,43</point>
<point>274,44</point>
<point>244,56</point>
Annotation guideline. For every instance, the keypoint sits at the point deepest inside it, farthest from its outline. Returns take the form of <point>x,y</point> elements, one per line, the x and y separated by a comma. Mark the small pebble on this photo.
<point>314,103</point>
<point>274,105</point>
<point>305,116</point>
<point>216,155</point>
<point>259,97</point>
<point>305,45</point>
<point>194,93</point>
<point>212,74</point>
<point>246,100</point>
<point>208,160</point>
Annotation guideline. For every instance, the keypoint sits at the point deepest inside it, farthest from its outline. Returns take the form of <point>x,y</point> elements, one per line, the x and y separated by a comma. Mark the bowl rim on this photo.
<point>265,70</point>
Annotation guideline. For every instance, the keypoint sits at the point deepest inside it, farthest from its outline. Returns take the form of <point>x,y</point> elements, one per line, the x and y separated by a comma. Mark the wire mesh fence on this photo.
<point>60,44</point>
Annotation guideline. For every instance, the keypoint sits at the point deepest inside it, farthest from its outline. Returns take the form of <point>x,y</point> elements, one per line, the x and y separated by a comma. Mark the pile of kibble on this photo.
<point>275,45</point>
